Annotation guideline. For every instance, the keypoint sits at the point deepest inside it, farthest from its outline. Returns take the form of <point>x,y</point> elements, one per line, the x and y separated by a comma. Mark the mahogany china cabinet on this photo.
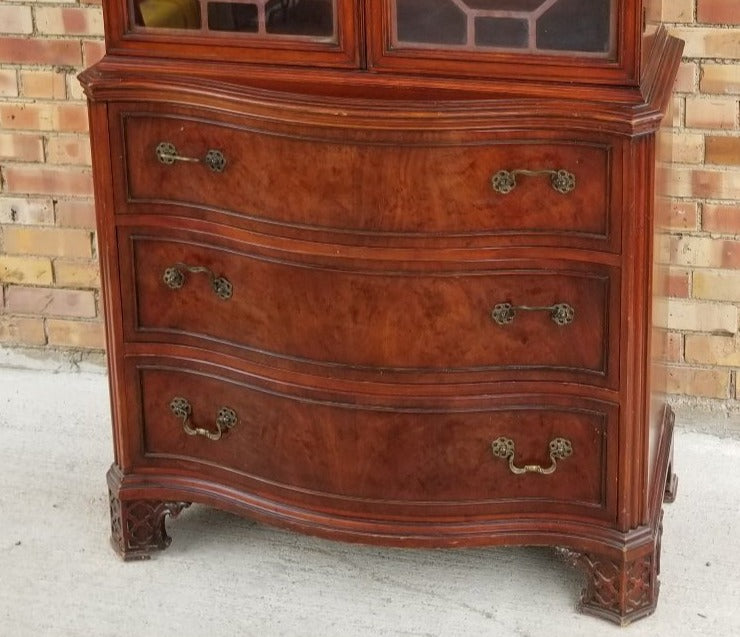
<point>381,271</point>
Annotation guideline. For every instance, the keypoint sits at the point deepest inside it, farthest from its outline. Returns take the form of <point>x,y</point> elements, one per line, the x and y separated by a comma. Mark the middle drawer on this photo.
<point>507,319</point>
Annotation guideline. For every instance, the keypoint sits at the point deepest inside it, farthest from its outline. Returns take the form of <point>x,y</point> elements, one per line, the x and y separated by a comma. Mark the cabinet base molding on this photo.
<point>138,526</point>
<point>621,568</point>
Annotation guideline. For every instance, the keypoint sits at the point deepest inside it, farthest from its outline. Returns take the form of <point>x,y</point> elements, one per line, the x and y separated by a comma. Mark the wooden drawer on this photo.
<point>435,184</point>
<point>351,453</point>
<point>382,316</point>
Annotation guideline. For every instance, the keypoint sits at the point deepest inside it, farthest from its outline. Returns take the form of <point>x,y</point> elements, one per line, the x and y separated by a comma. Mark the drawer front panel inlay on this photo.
<point>407,454</point>
<point>440,184</point>
<point>557,316</point>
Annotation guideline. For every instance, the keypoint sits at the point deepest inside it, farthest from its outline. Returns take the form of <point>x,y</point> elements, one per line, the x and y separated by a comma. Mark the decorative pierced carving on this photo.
<point>621,590</point>
<point>138,526</point>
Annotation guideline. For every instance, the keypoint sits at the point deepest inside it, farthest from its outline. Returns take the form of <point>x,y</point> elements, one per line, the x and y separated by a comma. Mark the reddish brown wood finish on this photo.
<point>353,180</point>
<point>345,313</point>
<point>365,247</point>
<point>410,458</point>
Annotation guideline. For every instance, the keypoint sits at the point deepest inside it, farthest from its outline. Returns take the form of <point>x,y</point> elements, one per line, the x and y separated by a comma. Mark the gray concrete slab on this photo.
<point>226,576</point>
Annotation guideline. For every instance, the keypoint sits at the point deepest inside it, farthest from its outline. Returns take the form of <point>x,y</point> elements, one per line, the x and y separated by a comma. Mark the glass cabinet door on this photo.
<point>315,19</point>
<point>524,26</point>
<point>536,35</point>
<point>319,32</point>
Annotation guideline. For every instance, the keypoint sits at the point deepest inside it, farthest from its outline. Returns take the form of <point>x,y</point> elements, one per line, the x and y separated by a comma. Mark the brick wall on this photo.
<point>48,271</point>
<point>704,249</point>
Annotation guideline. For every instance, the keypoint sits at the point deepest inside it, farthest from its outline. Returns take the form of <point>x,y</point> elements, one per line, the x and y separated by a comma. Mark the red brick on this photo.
<point>75,214</point>
<point>53,181</point>
<point>723,79</point>
<point>723,150</point>
<point>705,184</point>
<point>47,116</point>
<point>8,83</point>
<point>677,11</point>
<point>709,42</point>
<point>718,112</point>
<point>667,346</point>
<point>21,147</point>
<point>69,118</point>
<point>730,254</point>
<point>25,116</point>
<point>686,79</point>
<point>717,11</point>
<point>67,149</point>
<point>683,215</point>
<point>688,148</point>
<point>707,349</point>
<point>721,218</point>
<point>709,383</point>
<point>43,84</point>
<point>92,51</point>
<point>38,51</point>
<point>678,282</point>
<point>49,302</point>
<point>69,21</point>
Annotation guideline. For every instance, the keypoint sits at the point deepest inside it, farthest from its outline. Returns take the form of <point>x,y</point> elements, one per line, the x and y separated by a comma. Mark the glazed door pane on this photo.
<point>310,19</point>
<point>526,26</point>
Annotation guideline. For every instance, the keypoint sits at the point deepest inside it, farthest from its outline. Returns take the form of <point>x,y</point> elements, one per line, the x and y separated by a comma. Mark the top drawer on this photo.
<point>363,184</point>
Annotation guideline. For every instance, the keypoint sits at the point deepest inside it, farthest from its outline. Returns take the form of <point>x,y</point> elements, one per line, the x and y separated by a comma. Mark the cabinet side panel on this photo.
<point>109,276</point>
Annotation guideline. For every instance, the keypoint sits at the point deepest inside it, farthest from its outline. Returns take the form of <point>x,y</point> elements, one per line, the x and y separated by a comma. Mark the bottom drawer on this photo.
<point>523,453</point>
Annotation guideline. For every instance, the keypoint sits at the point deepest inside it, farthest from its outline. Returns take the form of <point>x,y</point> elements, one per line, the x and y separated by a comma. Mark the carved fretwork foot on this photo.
<point>621,590</point>
<point>137,526</point>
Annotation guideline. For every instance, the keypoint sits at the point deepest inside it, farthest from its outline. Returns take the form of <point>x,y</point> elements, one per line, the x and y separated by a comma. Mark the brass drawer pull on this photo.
<point>167,155</point>
<point>225,419</point>
<point>560,313</point>
<point>560,449</point>
<point>174,278</point>
<point>504,181</point>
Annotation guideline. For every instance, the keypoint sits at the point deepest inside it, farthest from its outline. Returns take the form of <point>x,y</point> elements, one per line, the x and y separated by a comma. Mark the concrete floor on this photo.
<point>226,576</point>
